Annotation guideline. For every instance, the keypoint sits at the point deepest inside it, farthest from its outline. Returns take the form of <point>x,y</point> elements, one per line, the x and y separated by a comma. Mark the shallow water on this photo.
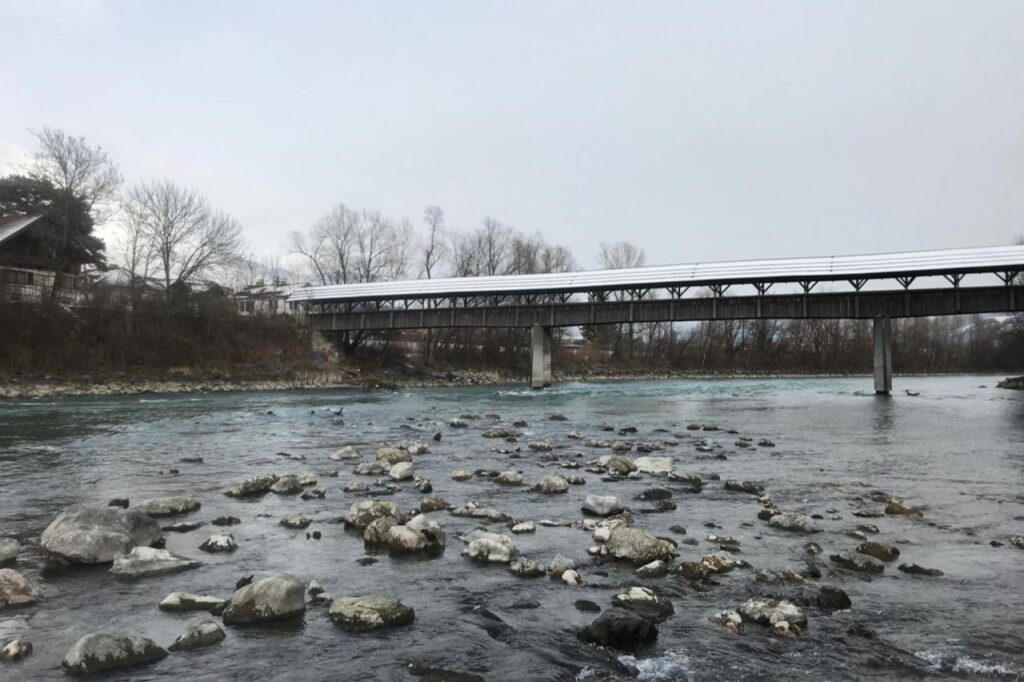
<point>957,450</point>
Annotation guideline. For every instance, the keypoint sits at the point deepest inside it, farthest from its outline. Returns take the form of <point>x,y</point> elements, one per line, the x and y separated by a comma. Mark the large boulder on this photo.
<point>88,534</point>
<point>15,650</point>
<point>653,465</point>
<point>602,505</point>
<point>269,599</point>
<point>219,542</point>
<point>640,547</point>
<point>401,471</point>
<point>198,633</point>
<point>489,547</point>
<point>620,629</point>
<point>143,562</point>
<point>15,589</point>
<point>256,485</point>
<point>794,521</point>
<point>370,612</point>
<point>169,506</point>
<point>104,651</point>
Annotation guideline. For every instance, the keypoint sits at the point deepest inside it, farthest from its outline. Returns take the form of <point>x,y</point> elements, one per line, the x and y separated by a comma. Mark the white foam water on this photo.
<point>673,665</point>
<point>953,662</point>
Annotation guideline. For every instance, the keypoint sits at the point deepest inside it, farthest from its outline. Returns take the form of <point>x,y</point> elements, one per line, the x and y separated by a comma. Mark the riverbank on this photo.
<point>366,376</point>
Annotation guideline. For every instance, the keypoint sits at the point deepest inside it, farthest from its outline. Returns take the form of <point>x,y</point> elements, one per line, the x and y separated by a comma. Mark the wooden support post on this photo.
<point>540,351</point>
<point>883,355</point>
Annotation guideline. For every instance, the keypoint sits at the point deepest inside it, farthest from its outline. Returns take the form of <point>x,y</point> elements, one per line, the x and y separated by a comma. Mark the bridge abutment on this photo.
<point>883,355</point>
<point>540,353</point>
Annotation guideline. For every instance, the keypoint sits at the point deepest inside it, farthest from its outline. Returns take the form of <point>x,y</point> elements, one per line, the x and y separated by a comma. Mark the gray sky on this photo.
<point>700,131</point>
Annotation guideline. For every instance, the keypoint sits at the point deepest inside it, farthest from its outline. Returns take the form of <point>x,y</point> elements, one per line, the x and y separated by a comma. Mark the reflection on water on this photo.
<point>955,451</point>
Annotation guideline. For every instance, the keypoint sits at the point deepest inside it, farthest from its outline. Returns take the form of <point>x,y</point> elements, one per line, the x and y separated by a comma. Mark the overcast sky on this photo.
<point>699,131</point>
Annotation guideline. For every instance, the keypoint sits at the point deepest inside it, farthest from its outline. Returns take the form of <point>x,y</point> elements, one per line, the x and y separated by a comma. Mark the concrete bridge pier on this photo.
<point>883,355</point>
<point>540,353</point>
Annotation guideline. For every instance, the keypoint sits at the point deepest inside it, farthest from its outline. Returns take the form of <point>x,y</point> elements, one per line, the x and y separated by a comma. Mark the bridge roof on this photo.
<point>816,269</point>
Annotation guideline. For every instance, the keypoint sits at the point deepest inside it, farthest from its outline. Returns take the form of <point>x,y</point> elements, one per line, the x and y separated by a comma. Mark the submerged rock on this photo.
<point>104,651</point>
<point>182,527</point>
<point>616,464</point>
<point>432,504</point>
<point>748,487</point>
<point>143,562</point>
<point>914,569</point>
<point>370,612</point>
<point>559,565</point>
<point>169,506</point>
<point>16,590</point>
<point>95,535</point>
<point>620,629</point>
<point>692,481</point>
<point>832,597</point>
<point>269,599</point>
<point>186,601</point>
<point>509,478</point>
<point>226,521</point>
<point>256,485</point>
<point>198,633</point>
<point>730,620</point>
<point>527,568</point>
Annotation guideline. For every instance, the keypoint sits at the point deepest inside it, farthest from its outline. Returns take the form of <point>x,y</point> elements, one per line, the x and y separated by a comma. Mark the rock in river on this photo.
<point>361,513</point>
<point>774,612</point>
<point>527,568</point>
<point>552,484</point>
<point>15,590</point>
<point>748,487</point>
<point>169,506</point>
<point>653,465</point>
<point>95,535</point>
<point>198,633</point>
<point>879,550</point>
<point>794,521</point>
<point>640,547</point>
<point>602,505</point>
<point>296,521</point>
<point>401,471</point>
<point>15,650</point>
<point>269,599</point>
<point>9,548</point>
<point>186,601</point>
<point>370,612</point>
<point>620,629</point>
<point>420,534</point>
<point>832,597</point>
<point>256,485</point>
<point>102,651</point>
<point>857,562</point>
<point>643,601</point>
<point>489,547</point>
<point>287,485</point>
<point>220,542</point>
<point>914,569</point>
<point>143,562</point>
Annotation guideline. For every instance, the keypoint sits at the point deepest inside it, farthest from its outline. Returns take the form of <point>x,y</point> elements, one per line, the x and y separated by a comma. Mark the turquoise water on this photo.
<point>956,451</point>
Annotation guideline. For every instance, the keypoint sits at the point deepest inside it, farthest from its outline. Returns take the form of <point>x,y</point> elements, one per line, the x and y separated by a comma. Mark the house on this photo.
<point>265,299</point>
<point>28,269</point>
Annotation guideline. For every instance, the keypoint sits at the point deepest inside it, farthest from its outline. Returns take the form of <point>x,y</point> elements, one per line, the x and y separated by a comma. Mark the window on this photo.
<point>18,277</point>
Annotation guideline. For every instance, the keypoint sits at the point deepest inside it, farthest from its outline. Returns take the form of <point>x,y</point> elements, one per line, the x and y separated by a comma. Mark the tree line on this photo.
<point>178,250</point>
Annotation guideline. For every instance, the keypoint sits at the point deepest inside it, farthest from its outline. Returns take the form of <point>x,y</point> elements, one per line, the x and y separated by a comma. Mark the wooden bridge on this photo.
<point>877,287</point>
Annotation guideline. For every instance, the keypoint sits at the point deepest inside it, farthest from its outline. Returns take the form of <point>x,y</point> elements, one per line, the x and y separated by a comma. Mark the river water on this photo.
<point>956,451</point>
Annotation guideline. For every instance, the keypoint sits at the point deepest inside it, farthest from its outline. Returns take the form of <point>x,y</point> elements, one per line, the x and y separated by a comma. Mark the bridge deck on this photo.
<point>953,264</point>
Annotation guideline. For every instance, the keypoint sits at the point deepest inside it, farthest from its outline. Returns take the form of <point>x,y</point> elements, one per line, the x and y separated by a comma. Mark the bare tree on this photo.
<point>620,255</point>
<point>432,244</point>
<point>75,167</point>
<point>187,237</point>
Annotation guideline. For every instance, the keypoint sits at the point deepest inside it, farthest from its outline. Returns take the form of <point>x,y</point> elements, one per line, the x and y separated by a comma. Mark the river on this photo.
<point>956,451</point>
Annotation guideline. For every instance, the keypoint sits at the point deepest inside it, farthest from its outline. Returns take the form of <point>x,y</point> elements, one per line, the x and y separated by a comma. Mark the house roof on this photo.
<point>12,225</point>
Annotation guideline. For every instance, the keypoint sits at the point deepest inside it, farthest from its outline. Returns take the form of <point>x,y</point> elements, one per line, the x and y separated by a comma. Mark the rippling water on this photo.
<point>957,450</point>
